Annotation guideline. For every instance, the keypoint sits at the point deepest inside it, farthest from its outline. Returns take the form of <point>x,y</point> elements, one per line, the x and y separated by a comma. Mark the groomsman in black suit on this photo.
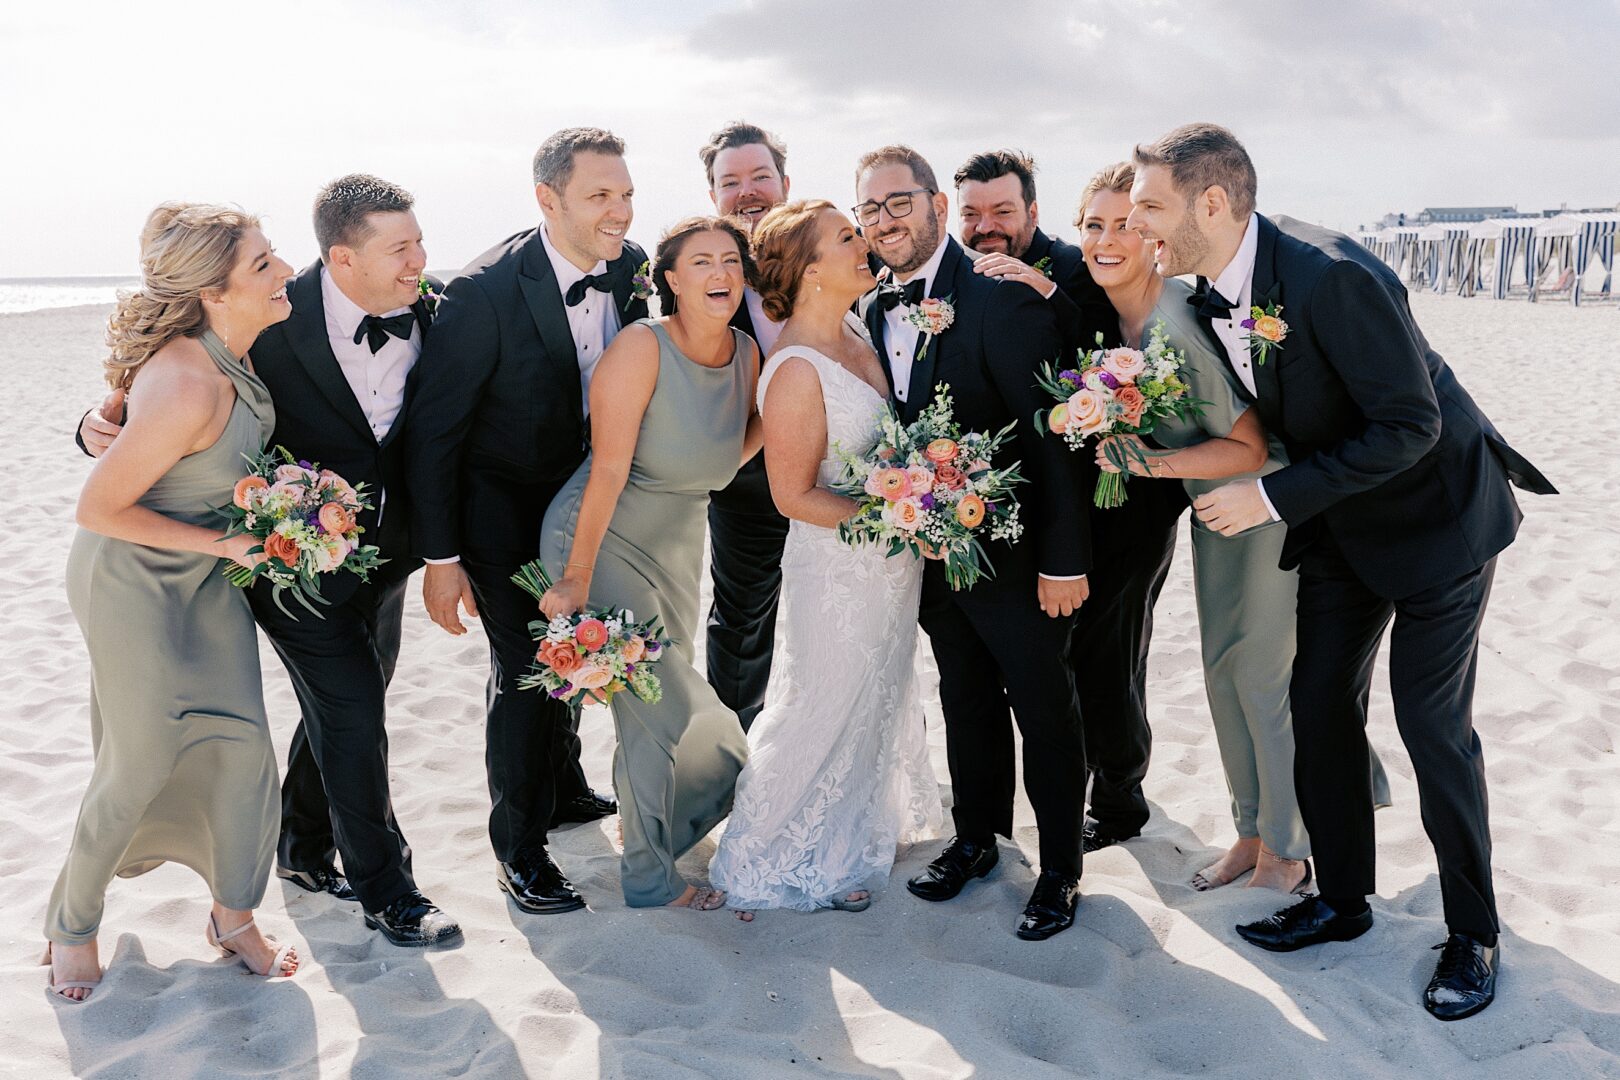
<point>1132,545</point>
<point>1397,501</point>
<point>342,371</point>
<point>999,644</point>
<point>498,425</point>
<point>744,165</point>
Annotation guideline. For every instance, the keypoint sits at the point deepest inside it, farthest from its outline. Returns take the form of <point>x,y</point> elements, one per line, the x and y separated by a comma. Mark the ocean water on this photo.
<point>34,294</point>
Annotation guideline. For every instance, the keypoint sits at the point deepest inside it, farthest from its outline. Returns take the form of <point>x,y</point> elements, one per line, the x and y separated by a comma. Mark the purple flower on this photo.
<point>1070,377</point>
<point>556,693</point>
<point>1247,324</point>
<point>302,464</point>
<point>1108,380</point>
<point>927,500</point>
<point>629,669</point>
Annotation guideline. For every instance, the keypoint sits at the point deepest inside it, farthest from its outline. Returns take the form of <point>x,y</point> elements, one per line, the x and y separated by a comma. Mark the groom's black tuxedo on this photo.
<point>994,645</point>
<point>496,428</point>
<point>1397,501</point>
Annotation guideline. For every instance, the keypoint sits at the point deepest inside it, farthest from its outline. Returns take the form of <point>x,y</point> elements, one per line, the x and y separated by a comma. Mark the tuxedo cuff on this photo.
<point>447,561</point>
<point>1272,510</point>
<point>1063,577</point>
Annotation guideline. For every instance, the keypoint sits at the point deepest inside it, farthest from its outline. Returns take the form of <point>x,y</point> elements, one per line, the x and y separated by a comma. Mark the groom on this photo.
<point>498,425</point>
<point>1000,643</point>
<point>1397,503</point>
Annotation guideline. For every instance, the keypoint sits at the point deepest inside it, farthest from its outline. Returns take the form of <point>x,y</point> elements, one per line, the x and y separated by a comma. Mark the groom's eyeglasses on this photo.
<point>899,205</point>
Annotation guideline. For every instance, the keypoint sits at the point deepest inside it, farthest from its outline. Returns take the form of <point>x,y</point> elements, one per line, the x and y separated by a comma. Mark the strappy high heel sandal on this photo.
<point>218,940</point>
<point>60,989</point>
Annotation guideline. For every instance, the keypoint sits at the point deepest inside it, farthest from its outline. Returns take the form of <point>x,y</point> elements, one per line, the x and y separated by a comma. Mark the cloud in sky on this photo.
<point>1350,109</point>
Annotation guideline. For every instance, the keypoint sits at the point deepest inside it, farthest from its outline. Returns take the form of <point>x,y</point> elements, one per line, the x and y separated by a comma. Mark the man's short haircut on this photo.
<point>554,161</point>
<point>735,134</point>
<point>342,207</point>
<point>994,164</point>
<point>898,154</point>
<point>1202,156</point>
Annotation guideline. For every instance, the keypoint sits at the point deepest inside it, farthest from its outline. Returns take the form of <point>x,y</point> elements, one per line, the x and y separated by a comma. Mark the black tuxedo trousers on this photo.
<point>1433,658</point>
<point>746,538</point>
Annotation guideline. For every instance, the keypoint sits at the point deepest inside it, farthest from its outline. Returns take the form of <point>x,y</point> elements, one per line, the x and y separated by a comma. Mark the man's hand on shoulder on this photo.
<point>1007,268</point>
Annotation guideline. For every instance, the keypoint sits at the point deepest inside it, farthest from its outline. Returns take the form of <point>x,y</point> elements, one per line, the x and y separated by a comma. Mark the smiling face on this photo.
<point>1118,257</point>
<point>708,275</point>
<point>255,293</point>
<point>903,244</point>
<point>994,218</point>
<point>588,219</point>
<point>841,267</point>
<point>380,273</point>
<point>746,183</point>
<point>1162,214</point>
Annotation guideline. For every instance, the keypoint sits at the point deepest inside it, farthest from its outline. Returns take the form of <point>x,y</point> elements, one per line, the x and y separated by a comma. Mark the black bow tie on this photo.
<point>375,329</point>
<point>1211,304</point>
<point>602,282</point>
<point>910,294</point>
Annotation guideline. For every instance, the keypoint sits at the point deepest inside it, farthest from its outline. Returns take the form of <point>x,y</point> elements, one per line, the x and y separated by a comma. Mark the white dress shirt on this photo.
<point>593,321</point>
<point>900,337</point>
<point>766,329</point>
<point>1236,283</point>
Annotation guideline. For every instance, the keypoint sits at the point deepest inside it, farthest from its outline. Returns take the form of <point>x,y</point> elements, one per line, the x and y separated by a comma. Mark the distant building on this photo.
<point>1447,215</point>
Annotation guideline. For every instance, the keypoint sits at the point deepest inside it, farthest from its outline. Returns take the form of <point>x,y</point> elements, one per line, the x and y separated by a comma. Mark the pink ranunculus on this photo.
<point>1124,364</point>
<point>873,486</point>
<point>1088,411</point>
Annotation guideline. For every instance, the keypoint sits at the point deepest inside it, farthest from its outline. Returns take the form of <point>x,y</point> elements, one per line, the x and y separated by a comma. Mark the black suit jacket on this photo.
<point>1081,305</point>
<point>1390,455</point>
<point>319,419</point>
<point>1002,333</point>
<point>497,424</point>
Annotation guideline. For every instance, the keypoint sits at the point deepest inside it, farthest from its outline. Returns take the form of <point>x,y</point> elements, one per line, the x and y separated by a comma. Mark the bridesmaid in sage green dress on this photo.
<point>184,770</point>
<point>672,419</point>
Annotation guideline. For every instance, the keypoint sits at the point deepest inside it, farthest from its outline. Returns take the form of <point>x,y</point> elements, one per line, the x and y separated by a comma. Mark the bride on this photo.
<point>838,771</point>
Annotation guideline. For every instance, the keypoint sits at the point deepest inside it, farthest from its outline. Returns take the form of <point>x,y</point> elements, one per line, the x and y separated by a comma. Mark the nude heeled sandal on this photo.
<point>218,940</point>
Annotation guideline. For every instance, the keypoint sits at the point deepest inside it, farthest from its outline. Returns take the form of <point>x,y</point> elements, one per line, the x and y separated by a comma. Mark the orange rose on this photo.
<point>634,649</point>
<point>242,495</point>
<point>950,476</point>
<point>283,547</point>
<point>1131,400</point>
<point>336,518</point>
<point>941,451</point>
<point>592,634</point>
<point>1270,327</point>
<point>560,657</point>
<point>970,511</point>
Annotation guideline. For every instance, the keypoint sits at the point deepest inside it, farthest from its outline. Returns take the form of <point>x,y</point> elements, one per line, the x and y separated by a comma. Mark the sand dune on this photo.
<point>1151,983</point>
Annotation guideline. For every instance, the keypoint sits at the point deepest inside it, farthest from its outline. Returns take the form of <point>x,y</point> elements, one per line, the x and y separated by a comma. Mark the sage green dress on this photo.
<point>676,765</point>
<point>184,770</point>
<point>1246,609</point>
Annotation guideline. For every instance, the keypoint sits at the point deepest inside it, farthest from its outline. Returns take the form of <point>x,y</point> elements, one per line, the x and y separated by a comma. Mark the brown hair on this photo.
<point>554,161</point>
<point>674,240</point>
<point>785,244</point>
<point>185,248</point>
<point>993,164</point>
<point>1202,156</point>
<point>1116,177</point>
<point>898,154</point>
<point>735,134</point>
<point>342,207</point>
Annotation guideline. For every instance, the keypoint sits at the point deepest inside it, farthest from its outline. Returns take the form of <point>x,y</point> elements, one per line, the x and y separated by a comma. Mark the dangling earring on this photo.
<point>818,285</point>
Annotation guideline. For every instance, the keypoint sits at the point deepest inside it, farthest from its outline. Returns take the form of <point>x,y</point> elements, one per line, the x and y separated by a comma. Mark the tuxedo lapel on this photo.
<point>424,320</point>
<point>920,390</point>
<point>875,328</point>
<point>538,283</point>
<point>1265,289</point>
<point>629,306</point>
<point>306,334</point>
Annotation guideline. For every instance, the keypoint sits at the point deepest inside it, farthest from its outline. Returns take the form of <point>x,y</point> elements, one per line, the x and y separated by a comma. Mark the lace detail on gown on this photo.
<point>838,772</point>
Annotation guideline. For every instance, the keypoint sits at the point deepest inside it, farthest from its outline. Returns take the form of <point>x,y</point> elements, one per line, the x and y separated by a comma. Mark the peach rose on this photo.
<point>1088,411</point>
<point>560,657</point>
<point>336,518</point>
<point>634,649</point>
<point>941,451</point>
<point>329,555</point>
<point>590,677</point>
<point>921,477</point>
<point>893,484</point>
<point>908,514</point>
<point>1124,364</point>
<point>1058,418</point>
<point>1131,400</point>
<point>977,465</point>
<point>243,495</point>
<point>281,546</point>
<point>970,511</point>
<point>1270,327</point>
<point>332,482</point>
<point>288,490</point>
<point>951,477</point>
<point>591,634</point>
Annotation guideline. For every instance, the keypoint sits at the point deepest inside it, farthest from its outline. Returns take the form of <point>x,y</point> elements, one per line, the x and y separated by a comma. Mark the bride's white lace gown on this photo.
<point>838,770</point>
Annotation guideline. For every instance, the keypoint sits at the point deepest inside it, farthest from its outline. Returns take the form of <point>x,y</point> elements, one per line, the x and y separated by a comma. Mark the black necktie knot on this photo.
<point>601,282</point>
<point>375,329</point>
<point>1210,303</point>
<point>891,296</point>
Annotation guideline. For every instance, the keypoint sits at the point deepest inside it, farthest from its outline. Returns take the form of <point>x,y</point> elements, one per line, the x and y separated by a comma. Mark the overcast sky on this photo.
<point>1350,108</point>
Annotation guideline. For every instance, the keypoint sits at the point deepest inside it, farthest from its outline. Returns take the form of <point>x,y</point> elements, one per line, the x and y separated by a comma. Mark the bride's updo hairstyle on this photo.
<point>185,248</point>
<point>674,240</point>
<point>785,244</point>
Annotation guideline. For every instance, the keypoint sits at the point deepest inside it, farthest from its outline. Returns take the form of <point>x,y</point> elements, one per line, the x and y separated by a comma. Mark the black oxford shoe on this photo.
<point>1309,922</point>
<point>326,880</point>
<point>1094,837</point>
<point>960,862</point>
<point>1464,980</point>
<point>413,921</point>
<point>582,809</point>
<point>537,886</point>
<point>1051,906</point>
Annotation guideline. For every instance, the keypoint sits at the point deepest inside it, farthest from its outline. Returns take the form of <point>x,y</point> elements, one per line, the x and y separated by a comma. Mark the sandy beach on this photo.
<point>1152,981</point>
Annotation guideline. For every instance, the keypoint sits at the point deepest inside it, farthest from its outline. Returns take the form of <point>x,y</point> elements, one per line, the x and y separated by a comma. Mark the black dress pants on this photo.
<point>746,535</point>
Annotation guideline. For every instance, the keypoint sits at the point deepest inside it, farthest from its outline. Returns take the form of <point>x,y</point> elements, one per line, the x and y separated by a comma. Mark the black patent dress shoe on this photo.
<point>1093,837</point>
<point>583,808</point>
<point>537,886</point>
<point>960,862</point>
<point>1051,906</point>
<point>413,921</point>
<point>1309,922</point>
<point>326,880</point>
<point>1464,980</point>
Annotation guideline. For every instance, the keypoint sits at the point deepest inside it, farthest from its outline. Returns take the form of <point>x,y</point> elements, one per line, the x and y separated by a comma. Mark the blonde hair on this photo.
<point>185,248</point>
<point>785,243</point>
<point>1116,177</point>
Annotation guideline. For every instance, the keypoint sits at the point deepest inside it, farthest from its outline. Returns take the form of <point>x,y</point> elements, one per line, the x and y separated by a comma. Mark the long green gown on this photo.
<point>184,769</point>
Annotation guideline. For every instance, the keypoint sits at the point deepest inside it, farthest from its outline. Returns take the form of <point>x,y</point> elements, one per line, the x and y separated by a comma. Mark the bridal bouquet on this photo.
<point>1116,392</point>
<point>592,655</point>
<point>305,519</point>
<point>929,483</point>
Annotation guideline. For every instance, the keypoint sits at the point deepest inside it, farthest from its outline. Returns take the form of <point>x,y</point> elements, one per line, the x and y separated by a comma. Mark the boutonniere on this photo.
<point>932,316</point>
<point>641,284</point>
<point>1265,329</point>
<point>1044,265</point>
<point>429,298</point>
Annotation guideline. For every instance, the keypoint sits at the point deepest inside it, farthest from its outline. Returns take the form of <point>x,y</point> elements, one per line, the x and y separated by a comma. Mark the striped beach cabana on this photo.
<point>1594,240</point>
<point>1515,254</point>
